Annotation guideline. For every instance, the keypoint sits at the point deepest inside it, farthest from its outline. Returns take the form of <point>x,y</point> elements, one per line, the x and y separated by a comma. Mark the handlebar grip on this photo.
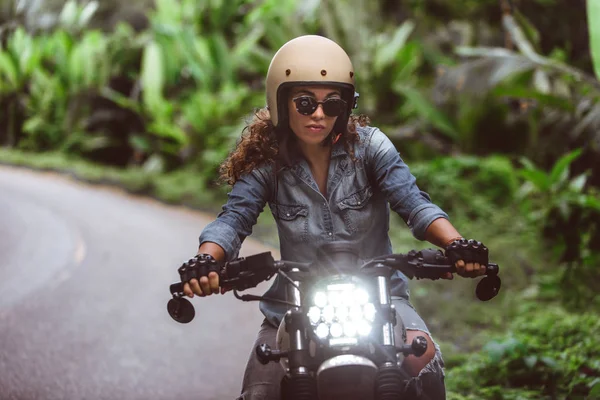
<point>433,271</point>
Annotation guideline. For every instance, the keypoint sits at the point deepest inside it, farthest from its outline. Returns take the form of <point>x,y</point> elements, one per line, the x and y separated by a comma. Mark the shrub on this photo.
<point>468,186</point>
<point>549,352</point>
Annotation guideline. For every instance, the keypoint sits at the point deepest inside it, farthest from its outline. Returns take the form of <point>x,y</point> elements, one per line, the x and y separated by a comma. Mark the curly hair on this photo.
<point>261,143</point>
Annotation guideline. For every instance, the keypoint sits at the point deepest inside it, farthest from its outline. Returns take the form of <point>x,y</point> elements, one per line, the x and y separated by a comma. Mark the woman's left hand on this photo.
<point>470,258</point>
<point>470,270</point>
<point>467,270</point>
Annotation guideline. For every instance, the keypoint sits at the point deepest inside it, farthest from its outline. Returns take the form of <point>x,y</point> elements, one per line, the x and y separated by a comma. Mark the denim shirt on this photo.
<point>356,208</point>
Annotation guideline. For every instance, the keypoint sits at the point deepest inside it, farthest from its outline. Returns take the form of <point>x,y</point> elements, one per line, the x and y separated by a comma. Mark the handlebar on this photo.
<point>424,264</point>
<point>245,273</point>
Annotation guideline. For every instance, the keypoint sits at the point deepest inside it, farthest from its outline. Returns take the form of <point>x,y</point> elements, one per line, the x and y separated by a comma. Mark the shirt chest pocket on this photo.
<point>356,210</point>
<point>292,221</point>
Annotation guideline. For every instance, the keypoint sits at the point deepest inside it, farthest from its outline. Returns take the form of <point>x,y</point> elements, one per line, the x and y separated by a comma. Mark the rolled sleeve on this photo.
<point>225,236</point>
<point>395,180</point>
<point>421,217</point>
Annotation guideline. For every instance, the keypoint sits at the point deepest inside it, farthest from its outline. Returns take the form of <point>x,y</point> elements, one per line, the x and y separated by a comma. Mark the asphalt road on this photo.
<point>84,277</point>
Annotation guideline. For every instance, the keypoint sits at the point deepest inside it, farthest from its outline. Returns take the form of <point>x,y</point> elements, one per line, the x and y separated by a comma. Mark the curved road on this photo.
<point>84,277</point>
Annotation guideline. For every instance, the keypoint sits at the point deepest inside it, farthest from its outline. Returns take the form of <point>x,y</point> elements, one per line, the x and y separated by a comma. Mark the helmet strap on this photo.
<point>355,100</point>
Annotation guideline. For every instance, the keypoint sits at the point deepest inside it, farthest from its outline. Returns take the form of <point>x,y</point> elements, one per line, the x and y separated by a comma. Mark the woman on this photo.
<point>326,176</point>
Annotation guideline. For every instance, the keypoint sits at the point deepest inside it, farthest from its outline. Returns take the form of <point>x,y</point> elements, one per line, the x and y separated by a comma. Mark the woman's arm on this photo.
<point>441,233</point>
<point>223,238</point>
<point>393,177</point>
<point>213,249</point>
<point>245,202</point>
<point>425,219</point>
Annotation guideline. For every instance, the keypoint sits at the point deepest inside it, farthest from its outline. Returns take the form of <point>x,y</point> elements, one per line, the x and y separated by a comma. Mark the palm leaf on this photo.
<point>242,50</point>
<point>152,76</point>
<point>478,77</point>
<point>425,109</point>
<point>518,92</point>
<point>86,14</point>
<point>527,49</point>
<point>561,167</point>
<point>69,14</point>
<point>9,74</point>
<point>589,123</point>
<point>389,50</point>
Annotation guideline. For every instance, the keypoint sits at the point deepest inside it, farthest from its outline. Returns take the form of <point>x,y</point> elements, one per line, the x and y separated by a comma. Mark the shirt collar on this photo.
<point>338,150</point>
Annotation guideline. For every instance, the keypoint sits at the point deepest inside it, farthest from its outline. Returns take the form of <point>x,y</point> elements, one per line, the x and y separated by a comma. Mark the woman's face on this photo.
<point>314,128</point>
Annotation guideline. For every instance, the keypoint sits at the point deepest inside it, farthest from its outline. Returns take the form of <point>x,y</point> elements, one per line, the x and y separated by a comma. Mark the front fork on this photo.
<point>299,383</point>
<point>389,382</point>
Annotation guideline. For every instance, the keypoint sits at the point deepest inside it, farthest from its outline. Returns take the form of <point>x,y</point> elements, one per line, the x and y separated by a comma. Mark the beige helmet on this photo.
<point>309,60</point>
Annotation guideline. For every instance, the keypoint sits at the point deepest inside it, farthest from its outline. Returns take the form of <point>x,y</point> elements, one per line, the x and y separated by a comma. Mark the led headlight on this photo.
<point>342,313</point>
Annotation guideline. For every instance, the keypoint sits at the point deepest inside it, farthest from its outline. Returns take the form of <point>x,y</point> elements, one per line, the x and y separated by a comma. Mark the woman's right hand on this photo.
<point>205,287</point>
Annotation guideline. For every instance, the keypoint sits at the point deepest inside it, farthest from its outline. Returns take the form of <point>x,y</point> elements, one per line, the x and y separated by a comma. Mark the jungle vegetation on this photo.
<point>493,104</point>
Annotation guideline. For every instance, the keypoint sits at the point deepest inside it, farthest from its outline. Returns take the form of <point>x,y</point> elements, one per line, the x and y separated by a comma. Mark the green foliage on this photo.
<point>169,101</point>
<point>555,190</point>
<point>181,187</point>
<point>169,90</point>
<point>50,82</point>
<point>567,212</point>
<point>150,82</point>
<point>483,184</point>
<point>546,353</point>
<point>18,62</point>
<point>75,17</point>
<point>519,101</point>
<point>593,14</point>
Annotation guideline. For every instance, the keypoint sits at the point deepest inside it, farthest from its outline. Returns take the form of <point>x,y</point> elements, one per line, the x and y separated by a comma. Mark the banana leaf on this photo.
<point>9,74</point>
<point>426,110</point>
<point>69,14</point>
<point>388,50</point>
<point>152,77</point>
<point>560,170</point>
<point>86,14</point>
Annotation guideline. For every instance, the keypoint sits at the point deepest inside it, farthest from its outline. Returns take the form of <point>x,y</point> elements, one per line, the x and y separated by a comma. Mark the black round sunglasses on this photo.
<point>306,105</point>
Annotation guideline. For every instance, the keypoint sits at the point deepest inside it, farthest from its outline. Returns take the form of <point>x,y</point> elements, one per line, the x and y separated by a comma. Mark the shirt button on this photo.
<point>287,215</point>
<point>359,203</point>
<point>330,233</point>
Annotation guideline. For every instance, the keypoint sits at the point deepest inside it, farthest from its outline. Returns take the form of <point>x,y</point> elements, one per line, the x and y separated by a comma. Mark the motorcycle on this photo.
<point>337,338</point>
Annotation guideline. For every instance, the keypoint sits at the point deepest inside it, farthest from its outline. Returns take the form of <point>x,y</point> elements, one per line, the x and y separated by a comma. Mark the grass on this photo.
<point>182,187</point>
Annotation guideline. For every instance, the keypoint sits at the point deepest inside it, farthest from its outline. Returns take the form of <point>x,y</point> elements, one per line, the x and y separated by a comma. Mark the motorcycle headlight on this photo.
<point>342,313</point>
